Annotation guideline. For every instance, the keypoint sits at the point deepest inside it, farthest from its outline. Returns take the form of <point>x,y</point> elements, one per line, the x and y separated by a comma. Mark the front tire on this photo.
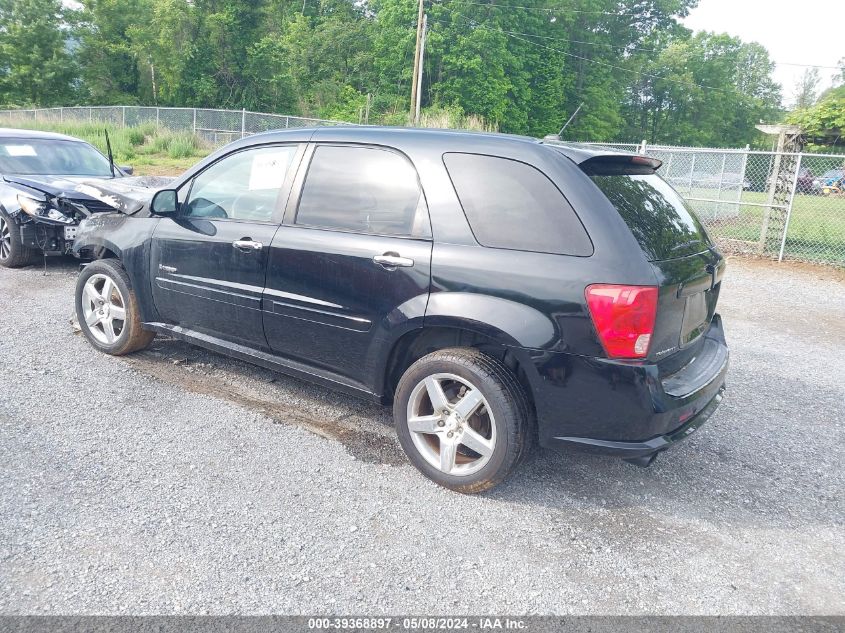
<point>462,419</point>
<point>107,309</point>
<point>13,253</point>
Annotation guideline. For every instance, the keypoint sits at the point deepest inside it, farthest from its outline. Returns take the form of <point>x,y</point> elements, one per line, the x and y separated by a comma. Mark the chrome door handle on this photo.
<point>392,260</point>
<point>247,245</point>
<point>166,269</point>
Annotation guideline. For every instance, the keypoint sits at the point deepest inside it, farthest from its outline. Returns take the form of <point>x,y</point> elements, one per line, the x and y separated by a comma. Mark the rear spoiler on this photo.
<point>620,164</point>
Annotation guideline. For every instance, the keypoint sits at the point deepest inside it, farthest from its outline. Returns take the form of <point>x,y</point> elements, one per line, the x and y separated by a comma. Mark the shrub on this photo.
<point>182,145</point>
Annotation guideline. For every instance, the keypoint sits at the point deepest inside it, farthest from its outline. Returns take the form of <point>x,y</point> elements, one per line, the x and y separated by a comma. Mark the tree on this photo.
<point>36,67</point>
<point>522,66</point>
<point>806,88</point>
<point>111,66</point>
<point>824,120</point>
<point>707,89</point>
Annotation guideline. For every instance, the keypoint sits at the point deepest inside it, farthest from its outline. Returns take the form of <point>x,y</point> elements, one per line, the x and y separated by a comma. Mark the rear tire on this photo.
<point>462,419</point>
<point>107,309</point>
<point>13,253</point>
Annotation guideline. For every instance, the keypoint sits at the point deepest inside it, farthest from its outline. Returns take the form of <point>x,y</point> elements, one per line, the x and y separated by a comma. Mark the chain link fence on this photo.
<point>214,127</point>
<point>780,205</point>
<point>766,203</point>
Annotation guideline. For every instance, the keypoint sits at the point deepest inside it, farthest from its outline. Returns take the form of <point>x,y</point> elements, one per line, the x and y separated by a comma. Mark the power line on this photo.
<point>558,39</point>
<point>614,46</point>
<point>563,10</point>
<point>545,9</point>
<point>523,36</point>
<point>808,65</point>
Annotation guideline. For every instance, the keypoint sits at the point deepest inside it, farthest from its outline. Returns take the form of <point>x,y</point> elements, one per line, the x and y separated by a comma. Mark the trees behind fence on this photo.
<point>731,190</point>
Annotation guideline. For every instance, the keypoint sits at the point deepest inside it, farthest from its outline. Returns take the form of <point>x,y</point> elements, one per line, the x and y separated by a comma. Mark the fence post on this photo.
<point>792,195</point>
<point>195,120</point>
<point>691,172</point>
<point>123,117</point>
<point>287,122</point>
<point>35,112</point>
<point>642,147</point>
<point>721,181</point>
<point>157,117</point>
<point>744,169</point>
<point>62,114</point>
<point>243,122</point>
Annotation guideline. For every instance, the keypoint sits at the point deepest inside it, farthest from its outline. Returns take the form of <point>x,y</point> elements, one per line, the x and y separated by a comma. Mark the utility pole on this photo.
<point>420,72</point>
<point>417,55</point>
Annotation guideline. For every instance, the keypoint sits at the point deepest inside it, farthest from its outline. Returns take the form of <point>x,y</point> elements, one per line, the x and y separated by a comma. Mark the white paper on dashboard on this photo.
<point>20,150</point>
<point>268,170</point>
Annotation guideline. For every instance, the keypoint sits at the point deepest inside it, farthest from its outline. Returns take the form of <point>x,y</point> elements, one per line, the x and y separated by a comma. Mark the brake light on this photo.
<point>624,317</point>
<point>647,161</point>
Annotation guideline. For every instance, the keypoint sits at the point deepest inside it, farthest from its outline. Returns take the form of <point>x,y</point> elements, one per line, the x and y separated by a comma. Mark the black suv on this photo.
<point>496,289</point>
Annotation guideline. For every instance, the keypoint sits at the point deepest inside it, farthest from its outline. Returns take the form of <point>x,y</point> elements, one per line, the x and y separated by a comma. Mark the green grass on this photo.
<point>149,149</point>
<point>816,226</point>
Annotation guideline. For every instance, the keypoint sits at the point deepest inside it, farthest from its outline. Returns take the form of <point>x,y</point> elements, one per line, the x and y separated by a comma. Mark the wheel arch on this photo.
<point>415,344</point>
<point>99,249</point>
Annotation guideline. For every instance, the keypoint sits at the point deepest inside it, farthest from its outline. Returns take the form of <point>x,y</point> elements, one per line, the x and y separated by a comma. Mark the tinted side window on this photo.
<point>512,205</point>
<point>365,190</point>
<point>242,186</point>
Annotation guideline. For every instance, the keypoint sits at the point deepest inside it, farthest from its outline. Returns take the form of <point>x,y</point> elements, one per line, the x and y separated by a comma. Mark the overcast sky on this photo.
<point>798,32</point>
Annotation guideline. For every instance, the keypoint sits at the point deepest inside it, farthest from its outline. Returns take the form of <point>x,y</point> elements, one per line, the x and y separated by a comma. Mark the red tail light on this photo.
<point>624,318</point>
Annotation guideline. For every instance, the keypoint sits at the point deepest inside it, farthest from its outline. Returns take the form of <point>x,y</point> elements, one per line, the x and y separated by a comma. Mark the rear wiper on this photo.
<point>684,245</point>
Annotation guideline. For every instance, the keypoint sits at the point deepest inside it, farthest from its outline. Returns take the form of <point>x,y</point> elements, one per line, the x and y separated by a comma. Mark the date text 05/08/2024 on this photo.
<point>417,623</point>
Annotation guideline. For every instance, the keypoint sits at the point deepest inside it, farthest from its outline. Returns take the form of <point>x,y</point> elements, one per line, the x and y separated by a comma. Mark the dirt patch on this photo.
<point>158,170</point>
<point>817,271</point>
<point>363,444</point>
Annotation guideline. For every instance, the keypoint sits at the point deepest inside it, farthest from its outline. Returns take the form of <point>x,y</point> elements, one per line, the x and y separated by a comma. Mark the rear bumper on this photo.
<point>631,450</point>
<point>626,408</point>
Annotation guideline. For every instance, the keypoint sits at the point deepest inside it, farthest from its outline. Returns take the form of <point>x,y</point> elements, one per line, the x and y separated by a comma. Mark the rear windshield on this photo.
<point>662,222</point>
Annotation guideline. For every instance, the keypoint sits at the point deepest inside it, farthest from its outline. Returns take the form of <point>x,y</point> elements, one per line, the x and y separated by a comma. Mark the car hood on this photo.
<point>128,194</point>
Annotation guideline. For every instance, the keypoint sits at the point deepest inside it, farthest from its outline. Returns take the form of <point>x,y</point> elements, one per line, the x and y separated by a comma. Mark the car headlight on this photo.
<point>31,206</point>
<point>42,210</point>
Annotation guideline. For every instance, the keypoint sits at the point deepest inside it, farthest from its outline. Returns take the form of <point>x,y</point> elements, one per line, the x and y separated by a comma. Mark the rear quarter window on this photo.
<point>660,220</point>
<point>513,205</point>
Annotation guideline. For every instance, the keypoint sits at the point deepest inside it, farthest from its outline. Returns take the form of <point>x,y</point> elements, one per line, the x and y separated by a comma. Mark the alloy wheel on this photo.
<point>5,239</point>
<point>451,424</point>
<point>104,308</point>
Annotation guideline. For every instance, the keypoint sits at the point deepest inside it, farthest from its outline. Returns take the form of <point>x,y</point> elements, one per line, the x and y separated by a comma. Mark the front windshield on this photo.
<point>27,156</point>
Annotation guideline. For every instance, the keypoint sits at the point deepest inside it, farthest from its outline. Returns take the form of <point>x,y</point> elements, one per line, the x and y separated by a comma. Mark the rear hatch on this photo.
<point>687,265</point>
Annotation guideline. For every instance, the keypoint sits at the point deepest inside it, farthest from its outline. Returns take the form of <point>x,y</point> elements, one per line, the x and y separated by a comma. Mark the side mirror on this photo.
<point>165,203</point>
<point>127,169</point>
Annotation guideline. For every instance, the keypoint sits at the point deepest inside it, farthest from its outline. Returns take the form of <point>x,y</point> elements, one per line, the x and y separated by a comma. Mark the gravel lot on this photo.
<point>177,481</point>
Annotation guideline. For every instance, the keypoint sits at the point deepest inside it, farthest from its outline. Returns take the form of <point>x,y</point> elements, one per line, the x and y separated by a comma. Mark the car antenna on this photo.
<point>108,147</point>
<point>558,136</point>
<point>572,118</point>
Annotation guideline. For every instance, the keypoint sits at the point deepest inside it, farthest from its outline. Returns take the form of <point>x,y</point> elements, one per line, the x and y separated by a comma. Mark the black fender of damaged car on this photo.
<point>126,238</point>
<point>529,303</point>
